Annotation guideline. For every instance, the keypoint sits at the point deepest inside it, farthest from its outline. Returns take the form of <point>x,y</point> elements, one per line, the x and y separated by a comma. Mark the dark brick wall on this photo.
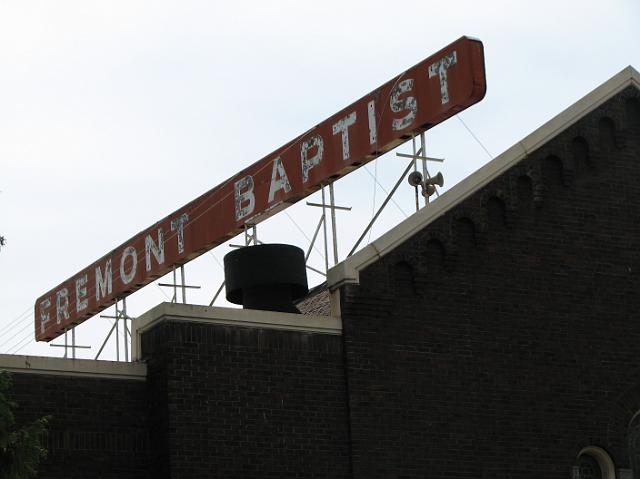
<point>243,402</point>
<point>496,343</point>
<point>98,427</point>
<point>504,337</point>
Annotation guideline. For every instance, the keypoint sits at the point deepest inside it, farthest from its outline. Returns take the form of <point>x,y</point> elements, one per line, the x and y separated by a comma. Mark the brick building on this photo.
<point>493,334</point>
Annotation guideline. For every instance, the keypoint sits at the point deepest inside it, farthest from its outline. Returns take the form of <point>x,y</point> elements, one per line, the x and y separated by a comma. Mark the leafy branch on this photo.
<point>20,449</point>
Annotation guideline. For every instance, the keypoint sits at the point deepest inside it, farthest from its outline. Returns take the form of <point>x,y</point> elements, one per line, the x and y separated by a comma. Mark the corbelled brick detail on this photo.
<point>496,342</point>
<point>503,338</point>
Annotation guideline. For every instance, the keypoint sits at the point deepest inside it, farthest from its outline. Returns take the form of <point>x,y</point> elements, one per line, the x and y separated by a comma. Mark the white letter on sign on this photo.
<point>150,246</point>
<point>439,69</point>
<point>128,251</point>
<point>178,224</point>
<point>44,315</point>
<point>244,194</point>
<point>62,305</point>
<point>81,293</point>
<point>408,103</point>
<point>281,183</point>
<point>342,126</point>
<point>373,131</point>
<point>103,283</point>
<point>308,163</point>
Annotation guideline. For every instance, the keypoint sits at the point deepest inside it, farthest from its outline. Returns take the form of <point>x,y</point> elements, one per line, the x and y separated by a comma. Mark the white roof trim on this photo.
<point>73,367</point>
<point>252,318</point>
<point>348,271</point>
<point>247,318</point>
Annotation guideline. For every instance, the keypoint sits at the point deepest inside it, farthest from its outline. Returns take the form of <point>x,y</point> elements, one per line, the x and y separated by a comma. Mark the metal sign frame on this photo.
<point>414,101</point>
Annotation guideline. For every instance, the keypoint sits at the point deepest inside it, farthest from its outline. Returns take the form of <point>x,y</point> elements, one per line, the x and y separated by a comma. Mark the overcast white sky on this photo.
<point>113,114</point>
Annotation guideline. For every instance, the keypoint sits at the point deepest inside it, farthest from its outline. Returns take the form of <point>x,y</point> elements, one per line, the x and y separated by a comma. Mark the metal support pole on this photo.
<point>324,227</point>
<point>334,231</point>
<point>215,296</point>
<point>183,286</point>
<point>65,343</point>
<point>184,289</point>
<point>323,223</point>
<point>375,217</point>
<point>120,314</point>
<point>250,237</point>
<point>73,343</point>
<point>126,344</point>
<point>310,268</point>
<point>62,346</point>
<point>415,168</point>
<point>117,334</point>
<point>175,287</point>
<point>425,172</point>
<point>313,240</point>
<point>105,341</point>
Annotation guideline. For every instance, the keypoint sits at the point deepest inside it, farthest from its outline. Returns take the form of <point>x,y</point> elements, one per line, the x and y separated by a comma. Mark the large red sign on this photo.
<point>416,100</point>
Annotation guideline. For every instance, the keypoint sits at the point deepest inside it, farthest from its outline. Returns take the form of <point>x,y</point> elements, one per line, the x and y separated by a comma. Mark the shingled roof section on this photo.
<point>316,302</point>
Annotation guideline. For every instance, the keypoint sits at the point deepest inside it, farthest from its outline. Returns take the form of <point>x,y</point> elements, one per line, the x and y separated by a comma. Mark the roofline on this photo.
<point>245,318</point>
<point>348,271</point>
<point>73,367</point>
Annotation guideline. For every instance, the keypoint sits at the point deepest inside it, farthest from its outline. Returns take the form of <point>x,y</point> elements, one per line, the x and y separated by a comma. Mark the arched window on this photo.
<point>594,463</point>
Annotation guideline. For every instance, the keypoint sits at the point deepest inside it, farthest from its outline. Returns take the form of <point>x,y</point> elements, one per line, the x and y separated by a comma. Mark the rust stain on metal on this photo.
<point>427,94</point>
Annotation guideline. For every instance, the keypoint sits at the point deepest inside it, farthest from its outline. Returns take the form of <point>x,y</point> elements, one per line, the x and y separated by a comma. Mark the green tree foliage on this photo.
<point>20,449</point>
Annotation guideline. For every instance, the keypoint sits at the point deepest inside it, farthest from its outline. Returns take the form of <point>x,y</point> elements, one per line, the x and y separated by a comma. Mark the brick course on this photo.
<point>495,343</point>
<point>503,338</point>
<point>248,402</point>
<point>98,428</point>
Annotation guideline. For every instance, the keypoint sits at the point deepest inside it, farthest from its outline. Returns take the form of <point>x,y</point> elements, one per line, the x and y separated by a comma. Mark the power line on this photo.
<point>216,259</point>
<point>21,330</point>
<point>22,346</point>
<point>474,136</point>
<point>303,233</point>
<point>18,319</point>
<point>385,190</point>
<point>29,337</point>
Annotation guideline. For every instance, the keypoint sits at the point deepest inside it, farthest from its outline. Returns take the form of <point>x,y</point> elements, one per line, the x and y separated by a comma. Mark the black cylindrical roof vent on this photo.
<point>267,276</point>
